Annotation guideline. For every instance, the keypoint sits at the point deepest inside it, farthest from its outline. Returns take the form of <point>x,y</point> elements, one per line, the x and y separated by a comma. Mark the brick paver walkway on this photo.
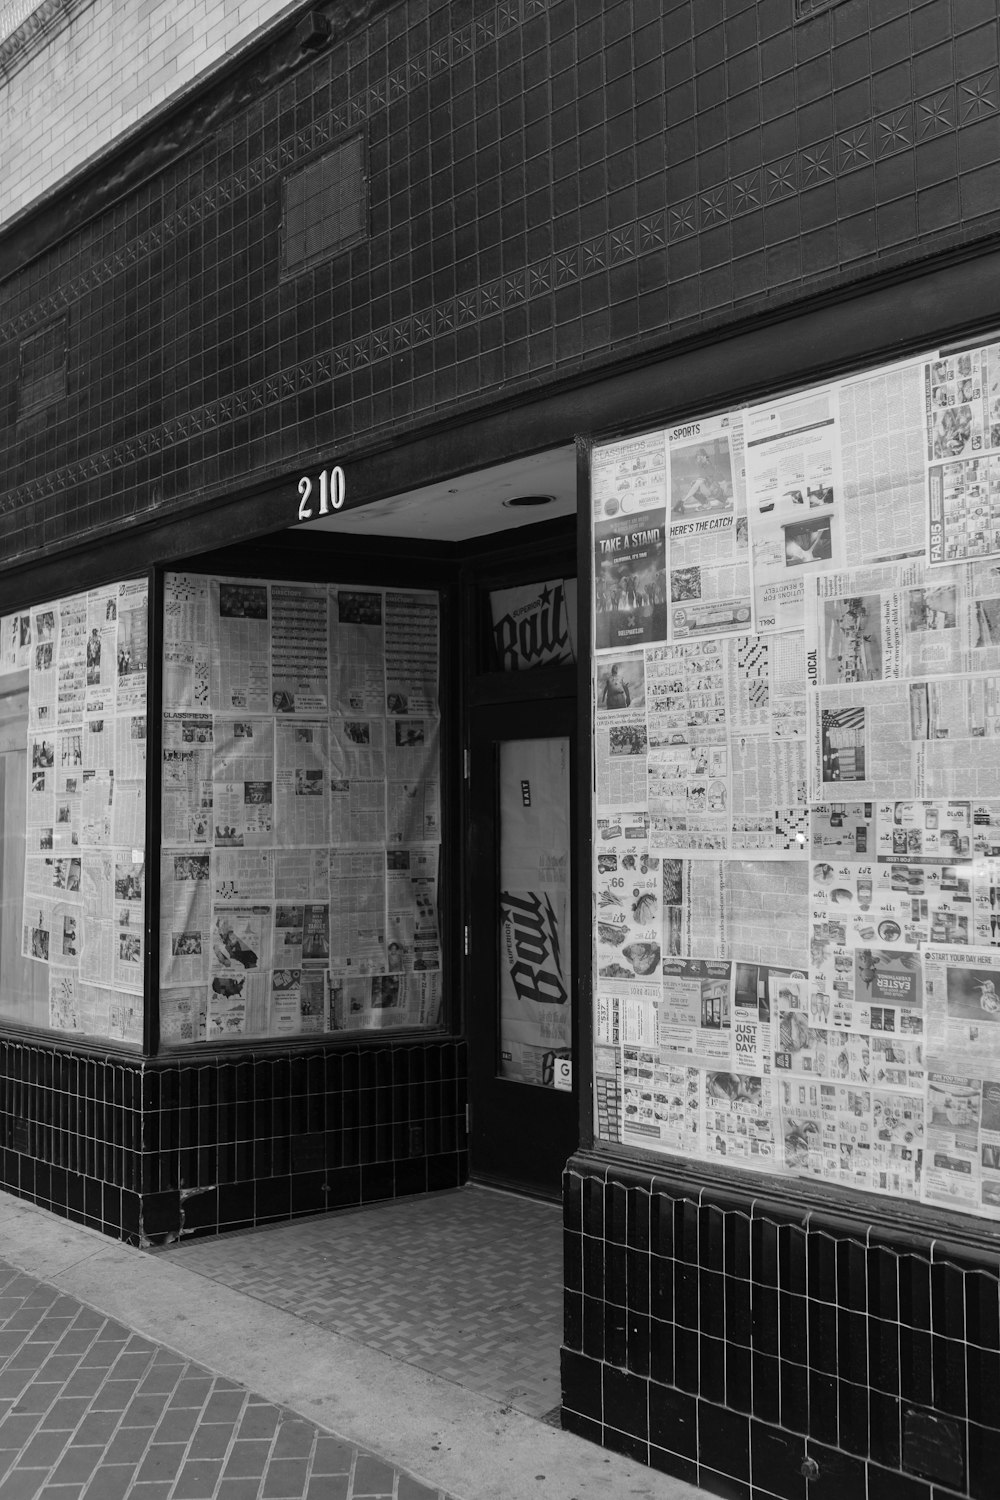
<point>89,1410</point>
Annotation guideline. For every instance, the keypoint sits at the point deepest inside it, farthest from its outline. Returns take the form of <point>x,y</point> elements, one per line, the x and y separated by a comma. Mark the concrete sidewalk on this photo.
<point>133,1376</point>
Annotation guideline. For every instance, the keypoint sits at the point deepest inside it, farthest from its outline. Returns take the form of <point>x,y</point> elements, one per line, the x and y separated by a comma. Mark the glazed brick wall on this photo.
<point>731,1344</point>
<point>552,186</point>
<point>147,1151</point>
<point>99,76</point>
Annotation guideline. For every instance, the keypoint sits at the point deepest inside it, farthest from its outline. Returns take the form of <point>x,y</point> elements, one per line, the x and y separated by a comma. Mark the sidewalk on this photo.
<point>122,1373</point>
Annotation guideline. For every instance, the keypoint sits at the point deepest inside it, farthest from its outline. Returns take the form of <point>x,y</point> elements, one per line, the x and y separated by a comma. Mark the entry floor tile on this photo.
<point>465,1284</point>
<point>155,1426</point>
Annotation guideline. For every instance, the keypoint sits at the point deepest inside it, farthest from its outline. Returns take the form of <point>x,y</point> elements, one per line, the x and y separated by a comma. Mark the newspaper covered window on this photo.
<point>797,771</point>
<point>73,776</point>
<point>301,810</point>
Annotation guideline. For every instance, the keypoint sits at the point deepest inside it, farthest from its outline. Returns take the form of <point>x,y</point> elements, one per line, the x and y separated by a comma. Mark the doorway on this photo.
<point>519,1002</point>
<point>511,534</point>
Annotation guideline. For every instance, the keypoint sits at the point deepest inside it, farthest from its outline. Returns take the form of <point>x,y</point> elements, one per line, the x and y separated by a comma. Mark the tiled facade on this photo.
<point>732,1342</point>
<point>549,187</point>
<point>558,191</point>
<point>153,1151</point>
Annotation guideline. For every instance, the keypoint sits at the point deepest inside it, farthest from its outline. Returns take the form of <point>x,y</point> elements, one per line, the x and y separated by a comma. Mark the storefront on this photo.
<point>498,679</point>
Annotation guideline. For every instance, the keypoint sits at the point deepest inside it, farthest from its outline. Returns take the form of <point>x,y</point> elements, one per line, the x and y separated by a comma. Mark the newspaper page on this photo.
<point>300,667</point>
<point>357,651</point>
<point>708,555</point>
<point>412,926</point>
<point>187,636</point>
<point>412,652</point>
<point>301,783</point>
<point>241,647</point>
<point>881,432</point>
<point>962,436</point>
<point>795,501</point>
<point>621,745</point>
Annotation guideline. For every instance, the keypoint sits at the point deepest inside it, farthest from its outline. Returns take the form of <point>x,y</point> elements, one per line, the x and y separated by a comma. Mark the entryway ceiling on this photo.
<point>468,505</point>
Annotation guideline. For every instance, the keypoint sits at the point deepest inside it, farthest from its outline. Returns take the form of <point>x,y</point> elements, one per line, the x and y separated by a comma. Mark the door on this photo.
<point>520,1010</point>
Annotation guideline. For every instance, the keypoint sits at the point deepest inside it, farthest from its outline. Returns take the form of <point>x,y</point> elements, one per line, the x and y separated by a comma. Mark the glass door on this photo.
<point>523,1117</point>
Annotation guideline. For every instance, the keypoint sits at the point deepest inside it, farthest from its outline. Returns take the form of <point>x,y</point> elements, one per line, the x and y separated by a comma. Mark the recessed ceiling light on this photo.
<point>528,500</point>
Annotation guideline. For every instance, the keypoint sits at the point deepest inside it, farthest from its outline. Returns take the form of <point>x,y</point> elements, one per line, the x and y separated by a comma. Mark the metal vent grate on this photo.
<point>325,208</point>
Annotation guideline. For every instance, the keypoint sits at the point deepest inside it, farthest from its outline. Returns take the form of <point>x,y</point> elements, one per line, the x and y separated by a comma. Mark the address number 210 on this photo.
<point>332,490</point>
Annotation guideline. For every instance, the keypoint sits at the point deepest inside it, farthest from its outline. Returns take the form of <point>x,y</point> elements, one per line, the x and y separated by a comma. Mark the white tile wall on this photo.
<point>98,78</point>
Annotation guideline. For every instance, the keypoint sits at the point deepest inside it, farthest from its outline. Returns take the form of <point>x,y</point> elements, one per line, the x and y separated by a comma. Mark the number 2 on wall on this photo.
<point>332,491</point>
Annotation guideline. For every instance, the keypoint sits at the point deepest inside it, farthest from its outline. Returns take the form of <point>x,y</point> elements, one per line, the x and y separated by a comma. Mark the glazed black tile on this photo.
<point>739,1378</point>
<point>593,1207</point>
<point>852,1403</point>
<point>792,1328</point>
<point>883,1484</point>
<point>615,1213</point>
<point>573,1320</point>
<point>840,1477</point>
<point>723,1440</point>
<point>593,1327</point>
<point>947,1300</point>
<point>776,1459</point>
<point>661,1298</point>
<point>982,1309</point>
<point>582,1384</point>
<point>661,1350</point>
<point>637,1337</point>
<point>852,1347</point>
<point>638,1219</point>
<point>584,1427</point>
<point>823,1408</point>
<point>822,1267</point>
<point>667,1462</point>
<point>627,1443</point>
<point>638,1270</point>
<point>766,1376</point>
<point>737,1245</point>
<point>593,1266</point>
<point>686,1225</point>
<point>764,1252</point>
<point>615,1335</point>
<point>764,1311</point>
<point>712,1303</point>
<point>686,1372</point>
<point>673,1420</point>
<point>914,1292</point>
<point>883,1355</point>
<point>984,1461</point>
<point>573,1261</point>
<point>823,1337</point>
<point>712,1238</point>
<point>626,1402</point>
<point>686,1295</point>
<point>792,1259</point>
<point>885,1428</point>
<point>714,1483</point>
<point>712,1369</point>
<point>852,1276</point>
<point>615,1275</point>
<point>983,1383</point>
<point>793,1396</point>
<point>739,1321</point>
<point>949,1375</point>
<point>915,1365</point>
